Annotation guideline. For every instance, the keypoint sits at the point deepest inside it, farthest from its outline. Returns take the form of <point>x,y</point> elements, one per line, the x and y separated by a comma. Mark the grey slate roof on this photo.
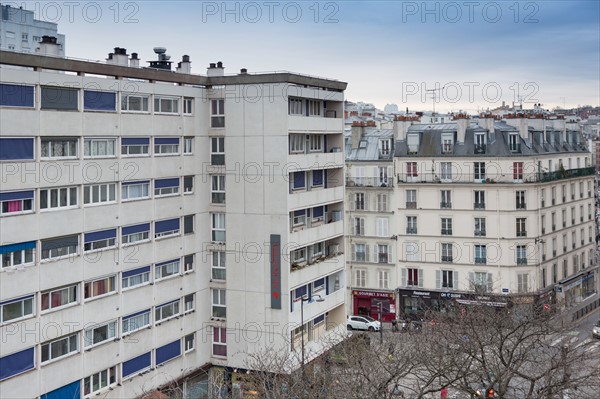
<point>370,152</point>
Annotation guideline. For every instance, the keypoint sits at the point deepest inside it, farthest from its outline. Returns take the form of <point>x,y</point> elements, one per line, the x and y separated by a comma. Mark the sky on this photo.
<point>472,55</point>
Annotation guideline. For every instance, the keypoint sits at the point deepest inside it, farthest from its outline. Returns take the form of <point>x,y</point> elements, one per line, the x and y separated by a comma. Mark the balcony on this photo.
<point>480,261</point>
<point>411,230</point>
<point>554,253</point>
<point>321,232</point>
<point>369,181</point>
<point>382,258</point>
<point>302,124</point>
<point>521,205</point>
<point>321,267</point>
<point>521,233</point>
<point>445,205</point>
<point>447,258</point>
<point>479,233</point>
<point>479,205</point>
<point>446,232</point>
<point>411,205</point>
<point>479,148</point>
<point>308,160</point>
<point>521,261</point>
<point>307,199</point>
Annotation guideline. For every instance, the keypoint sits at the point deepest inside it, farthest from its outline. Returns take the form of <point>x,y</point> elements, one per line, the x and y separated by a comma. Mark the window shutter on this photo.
<point>362,226</point>
<point>490,283</point>
<point>389,251</point>
<point>353,229</point>
<point>366,252</point>
<point>455,280</point>
<point>471,280</point>
<point>438,279</point>
<point>353,250</point>
<point>353,202</point>
<point>375,254</point>
<point>420,278</point>
<point>366,197</point>
<point>403,277</point>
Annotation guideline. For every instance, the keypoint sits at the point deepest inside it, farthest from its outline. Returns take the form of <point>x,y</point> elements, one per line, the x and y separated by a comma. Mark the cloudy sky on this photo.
<point>476,53</point>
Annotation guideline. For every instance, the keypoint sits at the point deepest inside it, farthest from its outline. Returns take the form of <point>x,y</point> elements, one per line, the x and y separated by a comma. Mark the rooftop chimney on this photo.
<point>119,57</point>
<point>49,46</point>
<point>163,59</point>
<point>185,66</point>
<point>243,71</point>
<point>358,129</point>
<point>134,61</point>
<point>216,69</point>
<point>402,123</point>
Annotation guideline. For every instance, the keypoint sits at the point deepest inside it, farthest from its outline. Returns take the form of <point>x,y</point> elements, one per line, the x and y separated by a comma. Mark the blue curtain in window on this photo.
<point>100,235</point>
<point>16,95</point>
<point>134,272</point>
<point>16,149</point>
<point>317,177</point>
<point>166,225</point>
<point>162,183</point>
<point>318,212</point>
<point>17,195</point>
<point>135,141</point>
<point>5,249</point>
<point>70,391</point>
<point>16,363</point>
<point>168,352</point>
<point>138,228</point>
<point>319,319</point>
<point>99,100</point>
<point>136,364</point>
<point>166,140</point>
<point>299,179</point>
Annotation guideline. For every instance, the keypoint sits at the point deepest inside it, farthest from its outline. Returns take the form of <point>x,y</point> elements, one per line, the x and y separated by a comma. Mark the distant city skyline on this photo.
<point>473,54</point>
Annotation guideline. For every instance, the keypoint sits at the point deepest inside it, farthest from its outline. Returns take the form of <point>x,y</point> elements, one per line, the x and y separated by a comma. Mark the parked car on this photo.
<point>363,323</point>
<point>596,330</point>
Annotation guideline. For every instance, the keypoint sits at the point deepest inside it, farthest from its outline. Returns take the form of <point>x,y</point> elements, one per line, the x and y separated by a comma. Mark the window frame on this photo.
<point>217,113</point>
<point>158,104</point>
<point>176,309</point>
<point>49,344</point>
<point>109,380</point>
<point>24,315</point>
<point>89,141</point>
<point>172,268</point>
<point>218,265</point>
<point>88,190</point>
<point>218,303</point>
<point>144,100</point>
<point>47,193</point>
<point>125,188</point>
<point>89,333</point>
<point>90,284</point>
<point>49,142</point>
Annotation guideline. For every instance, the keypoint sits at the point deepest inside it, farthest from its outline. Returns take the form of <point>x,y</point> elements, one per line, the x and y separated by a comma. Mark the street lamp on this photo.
<point>302,300</point>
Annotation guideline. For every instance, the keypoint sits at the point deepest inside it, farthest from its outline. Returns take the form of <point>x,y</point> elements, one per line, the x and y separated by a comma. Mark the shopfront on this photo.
<point>366,303</point>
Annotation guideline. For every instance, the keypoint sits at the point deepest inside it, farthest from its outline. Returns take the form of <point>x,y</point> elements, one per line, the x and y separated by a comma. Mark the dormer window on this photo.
<point>513,143</point>
<point>447,143</point>
<point>480,143</point>
<point>413,143</point>
<point>384,147</point>
<point>362,144</point>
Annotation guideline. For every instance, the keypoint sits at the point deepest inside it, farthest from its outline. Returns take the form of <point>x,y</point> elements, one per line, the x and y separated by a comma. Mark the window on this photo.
<point>361,252</point>
<point>137,365</point>
<point>543,197</point>
<point>99,100</point>
<point>16,95</point>
<point>384,147</point>
<point>382,227</point>
<point>446,171</point>
<point>383,254</point>
<point>16,203</point>
<point>17,363</point>
<point>166,311</point>
<point>61,347</point>
<point>411,225</point>
<point>481,281</point>
<point>297,143</point>
<point>99,240</point>
<point>100,333</point>
<point>480,143</point>
<point>520,200</point>
<point>57,247</point>
<point>188,106</point>
<point>188,184</point>
<point>513,142</point>
<point>188,224</point>
<point>17,254</point>
<point>522,286</point>
<point>218,265</point>
<point>218,189</point>
<point>135,321</point>
<point>218,227</point>
<point>314,107</point>
<point>521,229</point>
<point>165,228</point>
<point>412,141</point>
<point>135,277</point>
<point>315,143</point>
<point>132,146</point>
<point>411,169</point>
<point>189,303</point>
<point>479,200</point>
<point>165,187</point>
<point>298,256</point>
<point>59,297</point>
<point>360,277</point>
<point>14,309</point>
<point>135,190</point>
<point>219,347</point>
<point>447,226</point>
<point>447,279</point>
<point>134,103</point>
<point>480,254</point>
<point>480,227</point>
<point>57,147</point>
<point>188,342</point>
<point>382,202</point>
<point>412,277</point>
<point>572,191</point>
<point>317,178</point>
<point>166,105</point>
<point>446,202</point>
<point>59,98</point>
<point>65,197</point>
<point>137,233</point>
<point>299,218</point>
<point>97,148</point>
<point>298,180</point>
<point>522,254</point>
<point>383,279</point>
<point>447,252</point>
<point>99,381</point>
<point>219,308</point>
<point>411,199</point>
<point>318,285</point>
<point>217,113</point>
<point>217,151</point>
<point>518,171</point>
<point>479,170</point>
<point>166,146</point>
<point>99,193</point>
<point>188,263</point>
<point>359,226</point>
<point>166,269</point>
<point>295,106</point>
<point>99,287</point>
<point>188,145</point>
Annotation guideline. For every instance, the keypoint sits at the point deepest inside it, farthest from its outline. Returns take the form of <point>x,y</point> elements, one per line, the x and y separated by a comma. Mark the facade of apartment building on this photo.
<point>20,31</point>
<point>154,223</point>
<point>493,210</point>
<point>371,221</point>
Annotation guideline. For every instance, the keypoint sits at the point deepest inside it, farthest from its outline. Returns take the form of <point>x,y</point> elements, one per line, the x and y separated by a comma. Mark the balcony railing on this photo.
<point>521,261</point>
<point>479,148</point>
<point>479,233</point>
<point>369,181</point>
<point>382,258</point>
<point>497,177</point>
<point>479,205</point>
<point>480,261</point>
<point>446,232</point>
<point>411,205</point>
<point>445,205</point>
<point>447,258</point>
<point>521,205</point>
<point>521,233</point>
<point>411,230</point>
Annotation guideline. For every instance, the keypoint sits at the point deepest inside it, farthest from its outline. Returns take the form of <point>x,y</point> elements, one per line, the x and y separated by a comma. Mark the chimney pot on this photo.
<point>186,58</point>
<point>134,56</point>
<point>243,71</point>
<point>212,65</point>
<point>219,64</point>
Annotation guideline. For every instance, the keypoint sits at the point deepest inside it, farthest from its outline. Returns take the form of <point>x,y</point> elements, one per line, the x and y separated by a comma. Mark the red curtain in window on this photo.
<point>15,206</point>
<point>411,169</point>
<point>517,170</point>
<point>45,301</point>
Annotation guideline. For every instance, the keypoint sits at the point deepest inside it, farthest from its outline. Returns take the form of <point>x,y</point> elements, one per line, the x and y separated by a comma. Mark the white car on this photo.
<point>363,323</point>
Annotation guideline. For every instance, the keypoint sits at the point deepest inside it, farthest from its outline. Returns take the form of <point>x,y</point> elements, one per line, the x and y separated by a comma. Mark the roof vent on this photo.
<point>243,71</point>
<point>163,59</point>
